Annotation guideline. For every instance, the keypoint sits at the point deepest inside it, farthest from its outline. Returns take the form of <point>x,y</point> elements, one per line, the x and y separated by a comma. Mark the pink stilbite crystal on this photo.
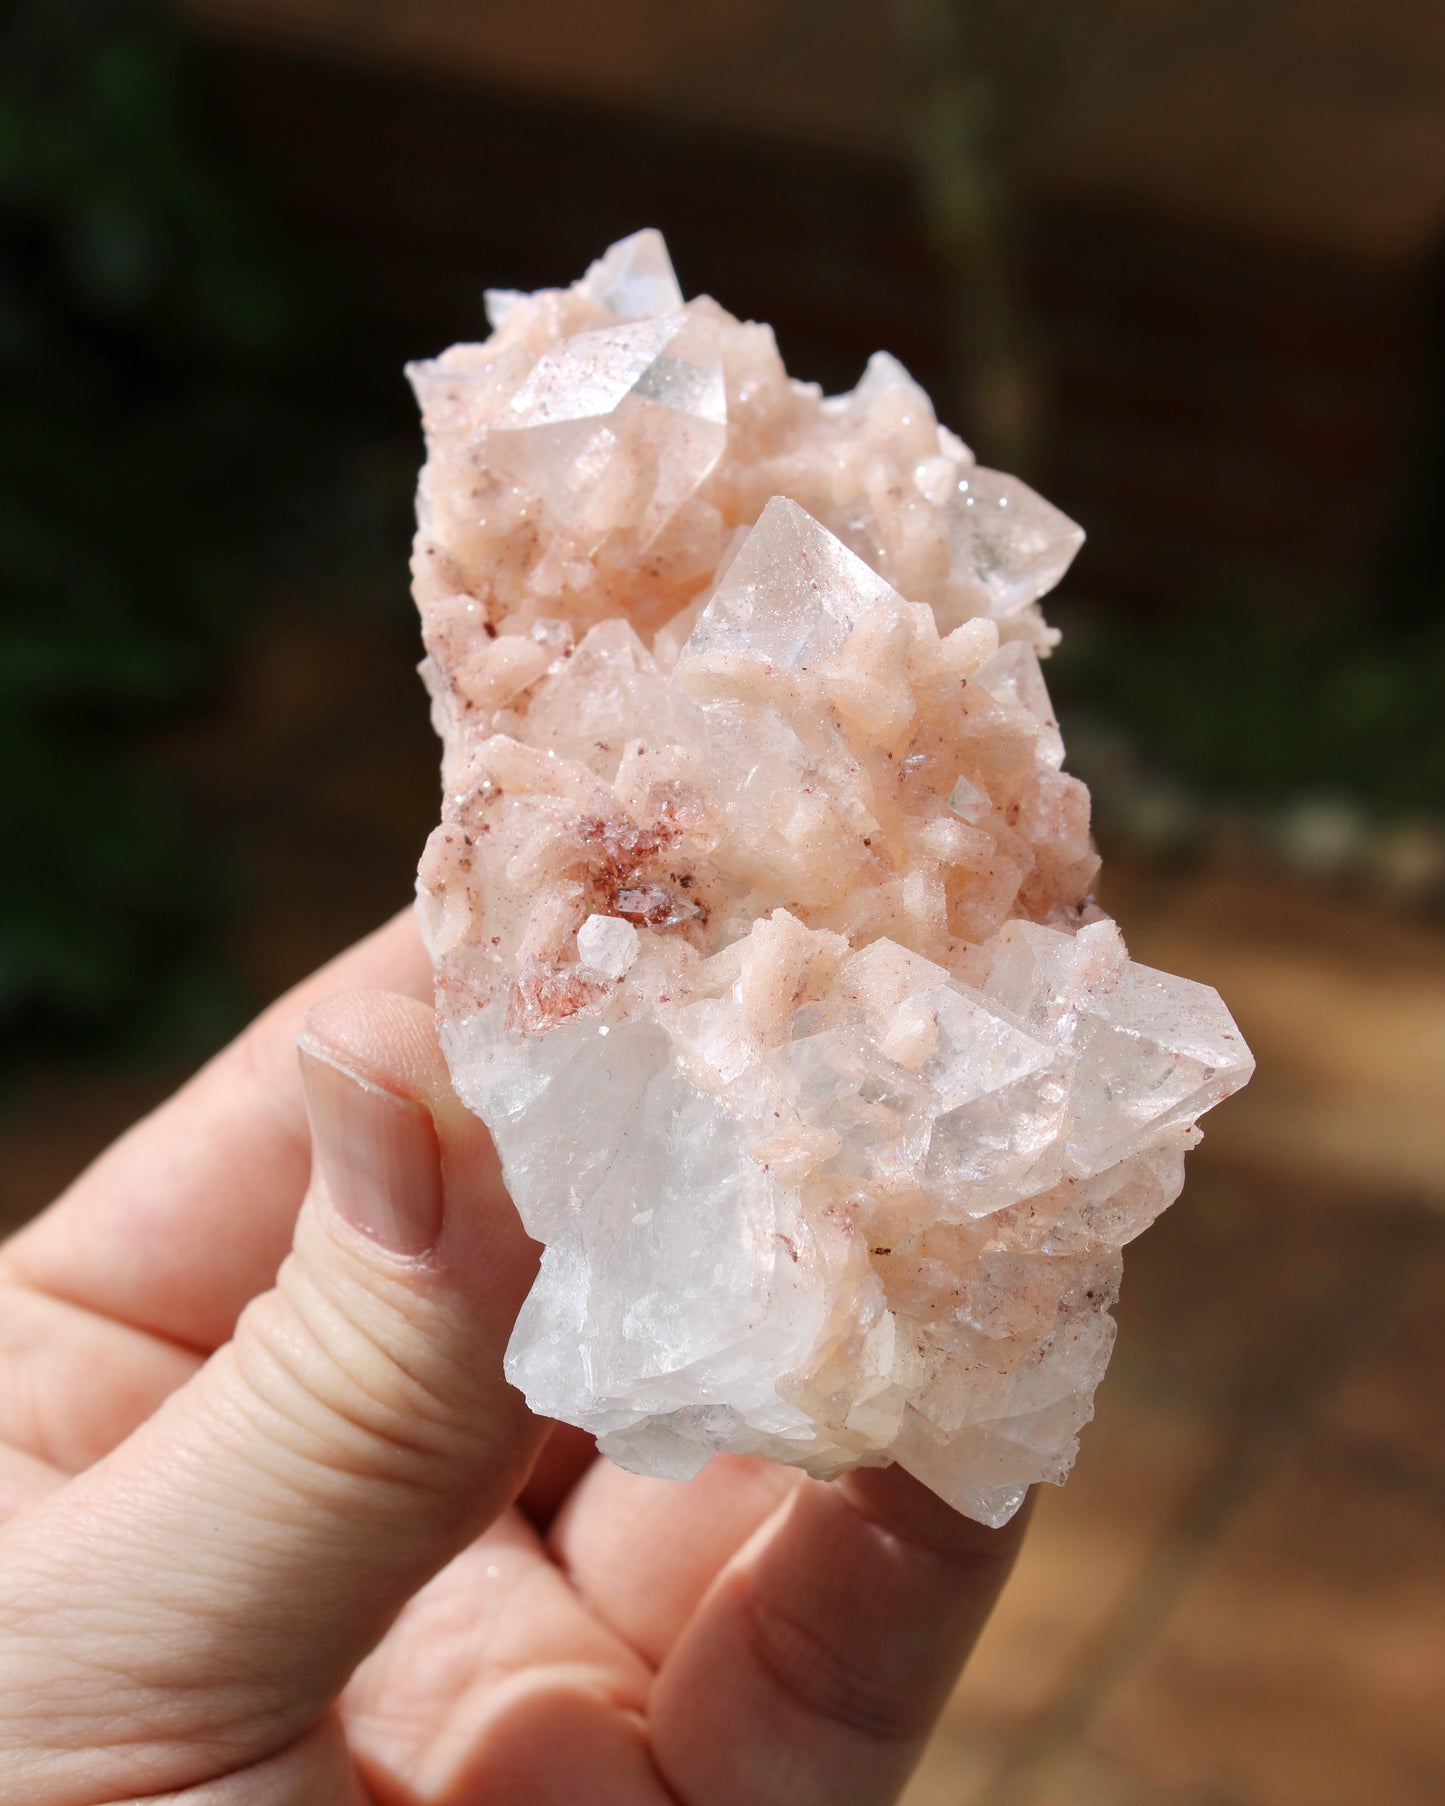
<point>760,904</point>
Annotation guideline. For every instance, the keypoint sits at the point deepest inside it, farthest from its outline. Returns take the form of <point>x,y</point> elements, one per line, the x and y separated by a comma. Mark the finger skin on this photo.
<point>643,1552</point>
<point>551,1743</point>
<point>317,1771</point>
<point>188,1216</point>
<point>565,1457</point>
<point>816,1666</point>
<point>73,1385</point>
<point>24,1482</point>
<point>194,1602</point>
<point>496,1642</point>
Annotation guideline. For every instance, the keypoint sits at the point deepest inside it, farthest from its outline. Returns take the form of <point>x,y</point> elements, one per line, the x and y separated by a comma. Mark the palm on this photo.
<point>535,1652</point>
<point>529,1667</point>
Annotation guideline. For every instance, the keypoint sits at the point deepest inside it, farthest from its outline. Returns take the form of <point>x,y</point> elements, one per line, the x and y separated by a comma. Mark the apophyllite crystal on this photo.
<point>760,904</point>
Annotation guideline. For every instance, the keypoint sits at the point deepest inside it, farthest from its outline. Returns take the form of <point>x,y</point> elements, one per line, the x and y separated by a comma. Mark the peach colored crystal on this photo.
<point>760,904</point>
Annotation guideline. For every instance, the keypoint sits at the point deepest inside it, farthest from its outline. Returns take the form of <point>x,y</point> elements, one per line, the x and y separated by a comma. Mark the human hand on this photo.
<point>276,1532</point>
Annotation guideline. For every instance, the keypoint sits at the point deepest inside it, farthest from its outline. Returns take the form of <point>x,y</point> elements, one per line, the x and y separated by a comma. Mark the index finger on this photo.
<point>814,1669</point>
<point>185,1219</point>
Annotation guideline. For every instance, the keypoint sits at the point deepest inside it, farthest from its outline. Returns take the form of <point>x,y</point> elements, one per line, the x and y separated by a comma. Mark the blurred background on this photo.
<point>1178,262</point>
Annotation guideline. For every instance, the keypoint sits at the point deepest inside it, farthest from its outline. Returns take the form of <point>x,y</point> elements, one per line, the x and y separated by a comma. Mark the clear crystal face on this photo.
<point>760,904</point>
<point>791,596</point>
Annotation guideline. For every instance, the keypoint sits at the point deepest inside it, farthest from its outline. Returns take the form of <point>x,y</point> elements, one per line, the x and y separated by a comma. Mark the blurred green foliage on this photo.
<point>1248,708</point>
<point>143,320</point>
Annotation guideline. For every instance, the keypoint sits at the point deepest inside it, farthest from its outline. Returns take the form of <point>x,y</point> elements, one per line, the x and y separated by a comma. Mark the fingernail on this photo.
<point>377,1154</point>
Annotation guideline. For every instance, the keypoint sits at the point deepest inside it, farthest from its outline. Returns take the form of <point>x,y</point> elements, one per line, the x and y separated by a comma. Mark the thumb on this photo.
<point>194,1602</point>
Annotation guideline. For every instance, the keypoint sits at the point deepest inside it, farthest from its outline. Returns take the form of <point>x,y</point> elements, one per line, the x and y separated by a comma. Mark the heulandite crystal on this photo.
<point>760,904</point>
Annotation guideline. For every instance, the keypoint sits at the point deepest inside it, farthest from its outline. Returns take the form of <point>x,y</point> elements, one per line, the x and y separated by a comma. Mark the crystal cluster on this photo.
<point>760,904</point>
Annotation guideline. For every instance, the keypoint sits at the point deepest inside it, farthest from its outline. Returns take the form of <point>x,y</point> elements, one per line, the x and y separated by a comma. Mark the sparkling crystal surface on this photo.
<point>760,904</point>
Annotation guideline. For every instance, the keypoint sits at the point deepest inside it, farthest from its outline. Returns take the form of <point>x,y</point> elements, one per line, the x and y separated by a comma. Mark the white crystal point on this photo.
<point>608,945</point>
<point>760,905</point>
<point>792,595</point>
<point>1013,675</point>
<point>499,302</point>
<point>590,375</point>
<point>1000,1106</point>
<point>615,428</point>
<point>1012,544</point>
<point>1153,1051</point>
<point>634,278</point>
<point>967,800</point>
<point>684,1309</point>
<point>883,376</point>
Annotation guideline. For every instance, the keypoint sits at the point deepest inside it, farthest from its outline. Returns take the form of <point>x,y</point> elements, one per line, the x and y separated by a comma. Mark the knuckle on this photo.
<point>331,1394</point>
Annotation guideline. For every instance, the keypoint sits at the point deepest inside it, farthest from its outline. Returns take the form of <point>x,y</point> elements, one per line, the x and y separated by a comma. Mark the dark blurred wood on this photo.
<point>414,193</point>
<point>1232,421</point>
<point>1243,404</point>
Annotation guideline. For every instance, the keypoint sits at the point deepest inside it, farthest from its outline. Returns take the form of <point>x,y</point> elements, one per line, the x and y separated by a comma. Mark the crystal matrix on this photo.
<point>760,904</point>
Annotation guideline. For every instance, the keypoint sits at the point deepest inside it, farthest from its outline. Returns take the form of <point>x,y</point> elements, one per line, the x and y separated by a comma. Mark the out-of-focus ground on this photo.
<point>1239,1598</point>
